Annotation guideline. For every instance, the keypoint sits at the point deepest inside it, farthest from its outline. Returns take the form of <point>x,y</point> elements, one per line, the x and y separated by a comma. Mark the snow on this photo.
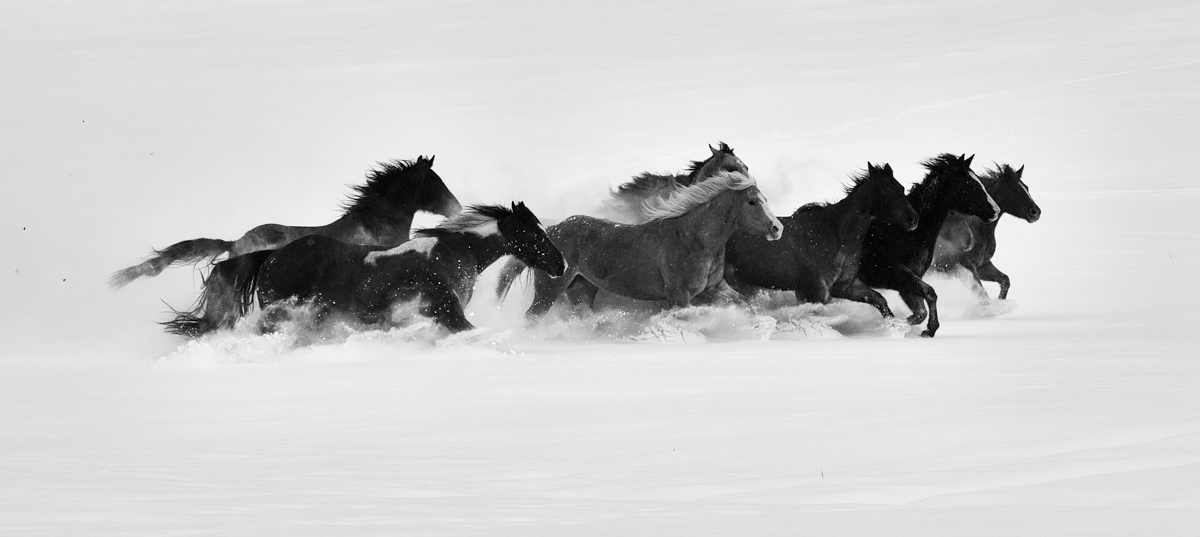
<point>1071,409</point>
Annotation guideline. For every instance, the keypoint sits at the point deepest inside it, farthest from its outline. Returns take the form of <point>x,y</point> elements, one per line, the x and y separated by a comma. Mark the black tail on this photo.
<point>512,268</point>
<point>180,253</point>
<point>228,296</point>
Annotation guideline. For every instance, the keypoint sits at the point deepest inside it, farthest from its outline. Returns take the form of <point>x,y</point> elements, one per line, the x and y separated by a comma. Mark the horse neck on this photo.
<point>482,250</point>
<point>853,214</point>
<point>988,229</point>
<point>712,222</point>
<point>930,219</point>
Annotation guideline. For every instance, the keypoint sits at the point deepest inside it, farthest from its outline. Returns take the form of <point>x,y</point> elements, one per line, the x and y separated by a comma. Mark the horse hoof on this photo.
<point>927,333</point>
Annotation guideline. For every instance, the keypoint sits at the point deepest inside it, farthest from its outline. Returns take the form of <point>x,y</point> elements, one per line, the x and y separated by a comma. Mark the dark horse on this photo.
<point>819,255</point>
<point>627,203</point>
<point>897,258</point>
<point>968,242</point>
<point>673,257</point>
<point>380,213</point>
<point>439,267</point>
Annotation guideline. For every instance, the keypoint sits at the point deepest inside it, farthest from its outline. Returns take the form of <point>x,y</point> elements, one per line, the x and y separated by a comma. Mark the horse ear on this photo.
<point>431,159</point>
<point>1020,171</point>
<point>713,149</point>
<point>887,168</point>
<point>969,159</point>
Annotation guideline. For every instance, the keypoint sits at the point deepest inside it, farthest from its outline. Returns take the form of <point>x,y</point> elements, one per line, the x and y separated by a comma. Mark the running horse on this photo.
<point>968,242</point>
<point>895,257</point>
<point>380,213</point>
<point>674,257</point>
<point>818,257</point>
<point>438,268</point>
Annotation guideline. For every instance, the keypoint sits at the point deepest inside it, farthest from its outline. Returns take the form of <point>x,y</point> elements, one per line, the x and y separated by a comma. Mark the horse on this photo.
<point>626,204</point>
<point>819,254</point>
<point>673,257</point>
<point>439,267</point>
<point>896,258</point>
<point>380,212</point>
<point>1005,186</point>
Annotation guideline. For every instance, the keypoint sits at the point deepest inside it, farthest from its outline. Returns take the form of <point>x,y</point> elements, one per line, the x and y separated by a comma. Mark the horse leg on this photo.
<point>917,293</point>
<point>916,304</point>
<point>582,291</point>
<point>858,291</point>
<point>969,276</point>
<point>721,293</point>
<point>547,289</point>
<point>810,287</point>
<point>738,285</point>
<point>441,304</point>
<point>990,273</point>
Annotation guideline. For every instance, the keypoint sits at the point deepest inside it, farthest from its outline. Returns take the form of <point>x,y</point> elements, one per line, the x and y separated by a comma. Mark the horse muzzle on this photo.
<point>775,233</point>
<point>1035,214</point>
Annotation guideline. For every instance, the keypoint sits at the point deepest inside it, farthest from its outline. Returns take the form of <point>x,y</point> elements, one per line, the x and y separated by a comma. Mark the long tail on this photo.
<point>180,253</point>
<point>512,268</point>
<point>228,296</point>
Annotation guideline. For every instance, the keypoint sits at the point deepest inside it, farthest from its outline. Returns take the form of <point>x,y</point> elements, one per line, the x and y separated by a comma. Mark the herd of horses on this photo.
<point>697,237</point>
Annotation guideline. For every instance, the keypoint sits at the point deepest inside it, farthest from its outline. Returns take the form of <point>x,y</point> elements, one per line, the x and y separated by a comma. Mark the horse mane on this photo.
<point>694,167</point>
<point>683,200</point>
<point>856,181</point>
<point>991,176</point>
<point>470,218</point>
<point>647,182</point>
<point>379,183</point>
<point>922,194</point>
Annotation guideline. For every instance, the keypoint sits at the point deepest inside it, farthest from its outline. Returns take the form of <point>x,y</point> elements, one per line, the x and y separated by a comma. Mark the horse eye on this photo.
<point>753,202</point>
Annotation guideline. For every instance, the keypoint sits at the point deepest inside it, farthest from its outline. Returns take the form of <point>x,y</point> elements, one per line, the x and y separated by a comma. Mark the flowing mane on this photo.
<point>922,195</point>
<point>687,198</point>
<point>380,183</point>
<point>646,182</point>
<point>856,181</point>
<point>990,176</point>
<point>473,217</point>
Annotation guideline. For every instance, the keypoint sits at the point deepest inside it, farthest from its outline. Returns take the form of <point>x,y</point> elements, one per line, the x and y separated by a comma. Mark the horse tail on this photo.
<point>512,268</point>
<point>191,251</point>
<point>228,296</point>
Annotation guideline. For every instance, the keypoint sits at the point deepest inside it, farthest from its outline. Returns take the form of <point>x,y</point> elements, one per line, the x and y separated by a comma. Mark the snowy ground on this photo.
<point>1077,412</point>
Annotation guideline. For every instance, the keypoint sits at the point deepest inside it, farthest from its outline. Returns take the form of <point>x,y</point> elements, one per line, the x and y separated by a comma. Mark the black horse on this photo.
<point>897,258</point>
<point>380,213</point>
<point>968,242</point>
<point>439,268</point>
<point>819,253</point>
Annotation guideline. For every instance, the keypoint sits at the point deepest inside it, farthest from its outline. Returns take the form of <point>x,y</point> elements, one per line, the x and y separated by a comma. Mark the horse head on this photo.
<point>957,187</point>
<point>1010,192</point>
<point>722,161</point>
<point>429,193</point>
<point>528,241</point>
<point>887,197</point>
<point>752,212</point>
